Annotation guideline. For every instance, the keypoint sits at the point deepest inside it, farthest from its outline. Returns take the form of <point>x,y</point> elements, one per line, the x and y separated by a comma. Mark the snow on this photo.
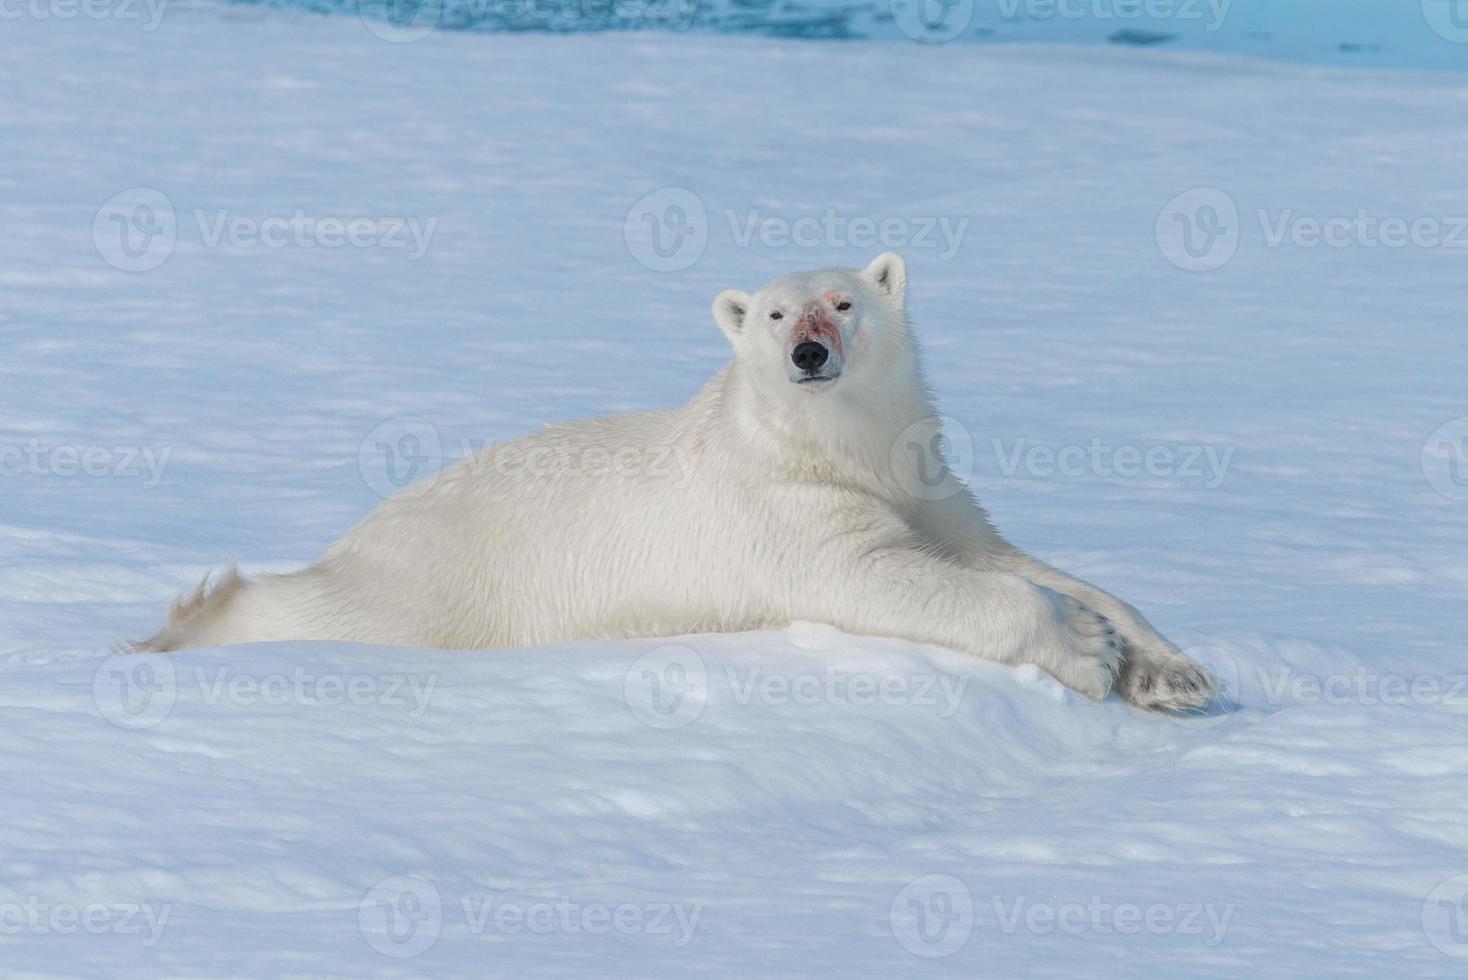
<point>799,802</point>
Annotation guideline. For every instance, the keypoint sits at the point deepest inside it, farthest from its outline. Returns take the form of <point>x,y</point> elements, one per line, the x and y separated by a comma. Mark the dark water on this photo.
<point>1367,33</point>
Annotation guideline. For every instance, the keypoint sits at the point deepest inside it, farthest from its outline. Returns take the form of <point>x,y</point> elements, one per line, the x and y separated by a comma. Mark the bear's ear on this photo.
<point>888,273</point>
<point>730,308</point>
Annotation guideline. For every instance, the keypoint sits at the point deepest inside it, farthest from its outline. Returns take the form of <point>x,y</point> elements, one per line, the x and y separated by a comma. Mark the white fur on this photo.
<point>762,501</point>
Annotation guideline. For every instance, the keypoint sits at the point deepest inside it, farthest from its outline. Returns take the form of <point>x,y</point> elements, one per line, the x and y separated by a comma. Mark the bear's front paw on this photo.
<point>1165,681</point>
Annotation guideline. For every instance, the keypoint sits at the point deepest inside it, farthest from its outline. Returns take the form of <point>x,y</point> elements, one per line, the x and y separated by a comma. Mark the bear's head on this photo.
<point>811,333</point>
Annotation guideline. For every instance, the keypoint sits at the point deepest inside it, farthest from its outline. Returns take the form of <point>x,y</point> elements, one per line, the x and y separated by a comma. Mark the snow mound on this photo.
<point>702,804</point>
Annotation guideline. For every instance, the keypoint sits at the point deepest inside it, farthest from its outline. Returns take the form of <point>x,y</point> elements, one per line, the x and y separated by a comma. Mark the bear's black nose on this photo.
<point>809,356</point>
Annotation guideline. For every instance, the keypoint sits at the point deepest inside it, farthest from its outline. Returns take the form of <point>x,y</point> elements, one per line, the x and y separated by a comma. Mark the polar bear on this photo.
<point>806,481</point>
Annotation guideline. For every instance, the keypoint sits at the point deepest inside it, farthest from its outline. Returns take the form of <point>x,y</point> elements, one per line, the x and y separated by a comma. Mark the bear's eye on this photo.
<point>777,315</point>
<point>843,306</point>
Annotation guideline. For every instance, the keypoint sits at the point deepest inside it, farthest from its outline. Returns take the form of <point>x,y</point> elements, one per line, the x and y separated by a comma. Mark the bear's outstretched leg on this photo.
<point>909,593</point>
<point>1155,674</point>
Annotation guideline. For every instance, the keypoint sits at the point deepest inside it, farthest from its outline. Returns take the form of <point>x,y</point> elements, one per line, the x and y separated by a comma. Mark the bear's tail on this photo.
<point>193,612</point>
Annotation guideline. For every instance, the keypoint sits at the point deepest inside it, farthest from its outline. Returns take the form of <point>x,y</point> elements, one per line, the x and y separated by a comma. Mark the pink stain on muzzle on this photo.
<point>816,324</point>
